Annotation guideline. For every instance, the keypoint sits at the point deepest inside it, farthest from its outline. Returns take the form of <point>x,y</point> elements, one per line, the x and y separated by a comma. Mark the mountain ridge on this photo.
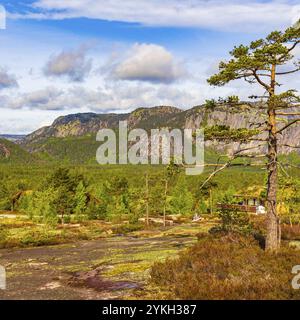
<point>86,125</point>
<point>80,124</point>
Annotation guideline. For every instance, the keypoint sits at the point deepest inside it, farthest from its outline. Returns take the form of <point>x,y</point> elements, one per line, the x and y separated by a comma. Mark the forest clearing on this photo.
<point>108,268</point>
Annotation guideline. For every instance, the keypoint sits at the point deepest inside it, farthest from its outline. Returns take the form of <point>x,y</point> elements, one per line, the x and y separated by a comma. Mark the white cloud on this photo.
<point>45,99</point>
<point>26,112</point>
<point>7,80</point>
<point>71,64</point>
<point>235,15</point>
<point>115,96</point>
<point>149,62</point>
<point>27,121</point>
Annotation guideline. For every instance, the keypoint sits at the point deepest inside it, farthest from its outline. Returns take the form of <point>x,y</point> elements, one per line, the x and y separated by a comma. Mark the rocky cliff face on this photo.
<point>167,117</point>
<point>241,117</point>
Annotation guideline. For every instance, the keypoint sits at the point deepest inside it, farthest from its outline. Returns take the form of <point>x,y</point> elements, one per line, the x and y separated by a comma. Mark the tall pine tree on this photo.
<point>264,62</point>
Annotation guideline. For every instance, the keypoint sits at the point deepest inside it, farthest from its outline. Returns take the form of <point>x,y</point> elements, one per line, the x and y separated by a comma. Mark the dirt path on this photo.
<point>102,269</point>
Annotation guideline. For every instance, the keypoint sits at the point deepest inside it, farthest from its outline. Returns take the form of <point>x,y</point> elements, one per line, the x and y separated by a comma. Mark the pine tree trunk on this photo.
<point>147,200</point>
<point>165,202</point>
<point>272,240</point>
<point>273,225</point>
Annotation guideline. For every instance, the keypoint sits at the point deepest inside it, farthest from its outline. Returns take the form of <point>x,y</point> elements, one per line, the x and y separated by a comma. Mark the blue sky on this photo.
<point>59,57</point>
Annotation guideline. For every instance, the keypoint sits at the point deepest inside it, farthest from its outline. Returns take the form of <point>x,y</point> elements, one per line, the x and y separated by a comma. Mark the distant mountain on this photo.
<point>81,124</point>
<point>72,137</point>
<point>12,137</point>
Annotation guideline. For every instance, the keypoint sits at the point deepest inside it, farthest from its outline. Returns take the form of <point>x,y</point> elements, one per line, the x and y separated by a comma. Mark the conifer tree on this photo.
<point>182,200</point>
<point>263,63</point>
<point>80,199</point>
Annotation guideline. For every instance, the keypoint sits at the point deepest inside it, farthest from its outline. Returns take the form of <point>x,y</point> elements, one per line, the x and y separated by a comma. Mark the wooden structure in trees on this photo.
<point>245,203</point>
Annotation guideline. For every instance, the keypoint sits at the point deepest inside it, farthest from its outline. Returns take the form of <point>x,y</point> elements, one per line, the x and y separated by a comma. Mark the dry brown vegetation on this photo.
<point>290,232</point>
<point>228,267</point>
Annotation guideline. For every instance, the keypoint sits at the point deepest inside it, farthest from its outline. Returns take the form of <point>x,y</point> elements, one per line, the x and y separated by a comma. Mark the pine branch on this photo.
<point>249,148</point>
<point>228,164</point>
<point>256,97</point>
<point>267,87</point>
<point>282,168</point>
<point>289,165</point>
<point>258,125</point>
<point>290,146</point>
<point>263,75</point>
<point>252,156</point>
<point>294,45</point>
<point>287,72</point>
<point>288,113</point>
<point>216,171</point>
<point>288,125</point>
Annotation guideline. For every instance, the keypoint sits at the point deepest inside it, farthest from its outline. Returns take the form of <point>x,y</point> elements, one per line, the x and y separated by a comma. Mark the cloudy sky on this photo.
<point>59,57</point>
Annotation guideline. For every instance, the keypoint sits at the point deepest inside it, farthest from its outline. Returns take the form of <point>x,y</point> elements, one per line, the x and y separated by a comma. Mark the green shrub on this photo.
<point>40,207</point>
<point>116,210</point>
<point>233,221</point>
<point>95,212</point>
<point>39,238</point>
<point>210,104</point>
<point>182,200</point>
<point>5,204</point>
<point>233,99</point>
<point>127,228</point>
